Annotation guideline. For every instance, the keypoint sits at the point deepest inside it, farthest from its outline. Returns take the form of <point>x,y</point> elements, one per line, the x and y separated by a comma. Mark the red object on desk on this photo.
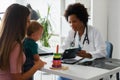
<point>57,48</point>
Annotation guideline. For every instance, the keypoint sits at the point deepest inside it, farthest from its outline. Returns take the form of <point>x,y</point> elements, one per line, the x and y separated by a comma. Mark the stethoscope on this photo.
<point>72,44</point>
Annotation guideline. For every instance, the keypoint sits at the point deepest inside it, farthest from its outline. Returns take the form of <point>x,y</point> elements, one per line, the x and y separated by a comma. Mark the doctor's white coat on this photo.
<point>96,46</point>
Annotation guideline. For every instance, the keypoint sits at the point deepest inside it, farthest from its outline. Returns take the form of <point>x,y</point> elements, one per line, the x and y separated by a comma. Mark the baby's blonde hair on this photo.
<point>33,27</point>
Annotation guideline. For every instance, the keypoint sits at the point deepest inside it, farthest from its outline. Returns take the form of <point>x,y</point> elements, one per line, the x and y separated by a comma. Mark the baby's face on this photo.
<point>38,34</point>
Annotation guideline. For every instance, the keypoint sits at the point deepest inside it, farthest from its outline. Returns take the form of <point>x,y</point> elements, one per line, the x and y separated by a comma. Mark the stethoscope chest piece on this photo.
<point>72,44</point>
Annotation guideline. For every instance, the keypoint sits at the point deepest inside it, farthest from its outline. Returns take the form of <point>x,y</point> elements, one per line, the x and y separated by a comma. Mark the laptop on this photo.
<point>69,56</point>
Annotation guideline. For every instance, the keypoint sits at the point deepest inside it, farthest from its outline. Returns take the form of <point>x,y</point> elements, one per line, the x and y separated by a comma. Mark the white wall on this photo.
<point>100,16</point>
<point>114,26</point>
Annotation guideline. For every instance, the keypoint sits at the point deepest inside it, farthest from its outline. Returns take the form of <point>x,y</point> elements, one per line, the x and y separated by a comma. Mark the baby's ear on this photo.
<point>33,34</point>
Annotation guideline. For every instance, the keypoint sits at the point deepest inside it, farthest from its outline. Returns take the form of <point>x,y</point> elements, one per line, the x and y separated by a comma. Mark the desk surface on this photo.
<point>77,72</point>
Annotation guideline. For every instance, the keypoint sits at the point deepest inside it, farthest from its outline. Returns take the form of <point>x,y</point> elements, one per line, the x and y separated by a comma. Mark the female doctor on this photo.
<point>87,37</point>
<point>82,35</point>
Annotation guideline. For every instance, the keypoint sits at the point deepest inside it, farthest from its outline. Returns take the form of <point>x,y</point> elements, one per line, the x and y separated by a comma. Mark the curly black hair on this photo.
<point>79,10</point>
<point>81,13</point>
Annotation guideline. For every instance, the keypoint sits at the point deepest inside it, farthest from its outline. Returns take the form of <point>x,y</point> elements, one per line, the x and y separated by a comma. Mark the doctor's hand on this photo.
<point>84,54</point>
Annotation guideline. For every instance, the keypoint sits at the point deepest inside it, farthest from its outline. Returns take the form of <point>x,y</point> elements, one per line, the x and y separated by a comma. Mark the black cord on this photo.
<point>86,36</point>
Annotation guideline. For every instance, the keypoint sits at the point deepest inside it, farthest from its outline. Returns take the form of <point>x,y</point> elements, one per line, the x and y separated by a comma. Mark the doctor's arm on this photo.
<point>97,48</point>
<point>99,45</point>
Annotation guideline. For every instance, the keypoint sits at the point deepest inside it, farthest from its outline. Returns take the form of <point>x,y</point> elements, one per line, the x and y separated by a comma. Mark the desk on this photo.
<point>78,72</point>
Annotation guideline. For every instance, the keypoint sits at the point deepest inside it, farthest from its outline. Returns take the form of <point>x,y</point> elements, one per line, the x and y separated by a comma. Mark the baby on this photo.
<point>34,33</point>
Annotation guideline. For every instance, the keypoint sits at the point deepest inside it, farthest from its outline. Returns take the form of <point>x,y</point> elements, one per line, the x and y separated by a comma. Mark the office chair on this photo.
<point>109,49</point>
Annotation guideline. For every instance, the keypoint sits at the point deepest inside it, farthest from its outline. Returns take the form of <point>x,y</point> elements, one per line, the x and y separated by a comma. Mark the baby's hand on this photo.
<point>39,64</point>
<point>44,62</point>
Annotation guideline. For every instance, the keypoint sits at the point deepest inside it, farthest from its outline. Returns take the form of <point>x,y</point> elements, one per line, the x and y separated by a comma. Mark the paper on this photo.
<point>86,59</point>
